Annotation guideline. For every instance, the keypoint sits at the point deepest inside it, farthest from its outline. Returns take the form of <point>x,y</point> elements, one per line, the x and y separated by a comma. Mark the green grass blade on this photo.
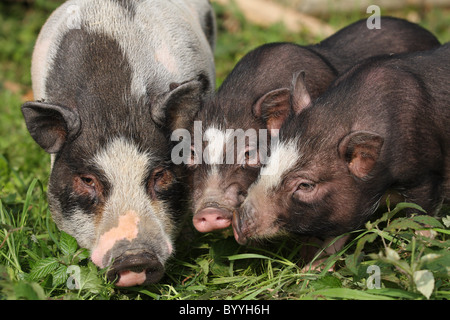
<point>347,294</point>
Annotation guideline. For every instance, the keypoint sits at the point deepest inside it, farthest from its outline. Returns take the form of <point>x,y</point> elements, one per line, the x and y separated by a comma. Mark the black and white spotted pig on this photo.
<point>111,80</point>
<point>382,126</point>
<point>220,187</point>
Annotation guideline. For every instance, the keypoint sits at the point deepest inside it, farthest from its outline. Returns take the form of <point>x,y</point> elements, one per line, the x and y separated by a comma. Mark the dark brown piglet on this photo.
<point>384,125</point>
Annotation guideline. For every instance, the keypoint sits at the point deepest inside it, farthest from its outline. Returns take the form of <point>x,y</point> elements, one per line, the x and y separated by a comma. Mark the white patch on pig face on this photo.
<point>216,141</point>
<point>76,223</point>
<point>126,168</point>
<point>230,146</point>
<point>282,160</point>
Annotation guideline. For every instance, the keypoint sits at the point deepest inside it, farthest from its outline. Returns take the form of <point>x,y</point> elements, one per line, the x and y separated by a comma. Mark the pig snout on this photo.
<point>240,223</point>
<point>258,218</point>
<point>131,269</point>
<point>212,218</point>
<point>217,208</point>
<point>128,254</point>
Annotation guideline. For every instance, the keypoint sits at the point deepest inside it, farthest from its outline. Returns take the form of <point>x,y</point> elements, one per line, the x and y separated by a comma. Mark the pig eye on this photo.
<point>306,186</point>
<point>88,181</point>
<point>251,158</point>
<point>87,185</point>
<point>304,190</point>
<point>161,180</point>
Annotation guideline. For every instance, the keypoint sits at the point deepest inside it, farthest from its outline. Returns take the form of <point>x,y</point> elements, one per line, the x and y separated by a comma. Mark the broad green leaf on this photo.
<point>424,281</point>
<point>429,221</point>
<point>82,254</point>
<point>328,281</point>
<point>43,268</point>
<point>68,244</point>
<point>89,279</point>
<point>403,224</point>
<point>59,275</point>
<point>406,205</point>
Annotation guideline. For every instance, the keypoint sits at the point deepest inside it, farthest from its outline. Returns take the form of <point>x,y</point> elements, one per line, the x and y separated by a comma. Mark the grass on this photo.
<point>37,261</point>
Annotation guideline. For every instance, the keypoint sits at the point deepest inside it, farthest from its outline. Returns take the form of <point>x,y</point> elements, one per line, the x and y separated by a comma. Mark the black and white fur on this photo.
<point>111,80</point>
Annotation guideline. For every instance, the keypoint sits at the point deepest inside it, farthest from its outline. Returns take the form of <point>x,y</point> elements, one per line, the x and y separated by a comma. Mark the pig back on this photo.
<point>272,66</point>
<point>156,38</point>
<point>357,42</point>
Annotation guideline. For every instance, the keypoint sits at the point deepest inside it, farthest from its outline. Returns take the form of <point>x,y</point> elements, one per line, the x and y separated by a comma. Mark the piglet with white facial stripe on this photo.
<point>112,79</point>
<point>219,186</point>
<point>340,154</point>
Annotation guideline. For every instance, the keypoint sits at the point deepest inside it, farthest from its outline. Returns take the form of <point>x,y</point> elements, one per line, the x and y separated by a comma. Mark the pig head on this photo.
<point>110,87</point>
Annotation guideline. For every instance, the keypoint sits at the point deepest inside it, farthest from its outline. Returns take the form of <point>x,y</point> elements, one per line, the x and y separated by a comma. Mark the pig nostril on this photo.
<point>212,218</point>
<point>137,269</point>
<point>242,193</point>
<point>130,270</point>
<point>241,196</point>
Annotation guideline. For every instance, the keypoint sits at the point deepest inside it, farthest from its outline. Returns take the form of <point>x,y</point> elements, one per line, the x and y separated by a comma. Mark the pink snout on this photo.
<point>133,269</point>
<point>210,219</point>
<point>130,266</point>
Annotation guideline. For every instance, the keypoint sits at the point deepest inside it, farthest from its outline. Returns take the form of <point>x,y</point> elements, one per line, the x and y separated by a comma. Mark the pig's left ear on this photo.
<point>51,125</point>
<point>361,150</point>
<point>177,108</point>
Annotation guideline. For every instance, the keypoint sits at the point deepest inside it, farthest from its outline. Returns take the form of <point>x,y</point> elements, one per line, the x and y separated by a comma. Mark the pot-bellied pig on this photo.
<point>111,80</point>
<point>237,112</point>
<point>384,125</point>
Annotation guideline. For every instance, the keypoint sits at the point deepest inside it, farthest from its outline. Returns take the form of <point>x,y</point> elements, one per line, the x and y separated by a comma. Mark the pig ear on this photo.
<point>178,107</point>
<point>273,107</point>
<point>50,125</point>
<point>361,150</point>
<point>300,95</point>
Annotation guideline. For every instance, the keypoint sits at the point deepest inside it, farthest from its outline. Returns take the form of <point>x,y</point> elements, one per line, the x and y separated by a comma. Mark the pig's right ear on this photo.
<point>275,106</point>
<point>50,125</point>
<point>177,108</point>
<point>300,95</point>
